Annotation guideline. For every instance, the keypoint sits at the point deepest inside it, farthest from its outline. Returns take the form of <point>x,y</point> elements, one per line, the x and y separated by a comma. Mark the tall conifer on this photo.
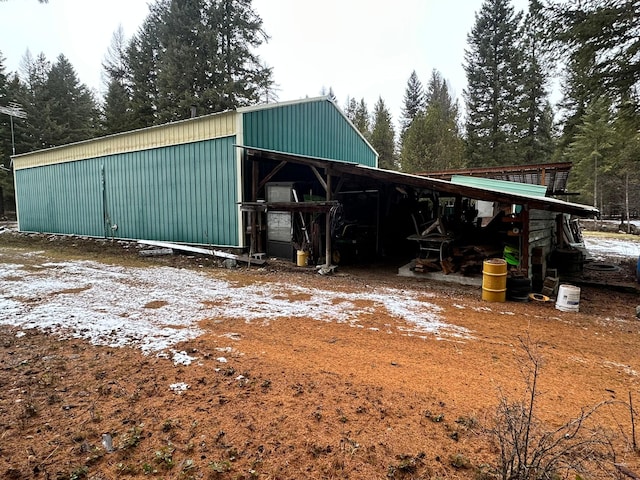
<point>492,65</point>
<point>116,108</point>
<point>433,141</point>
<point>413,102</point>
<point>383,136</point>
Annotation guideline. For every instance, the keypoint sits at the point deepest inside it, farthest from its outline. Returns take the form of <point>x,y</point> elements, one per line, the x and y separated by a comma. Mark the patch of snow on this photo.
<point>179,387</point>
<point>626,368</point>
<point>181,358</point>
<point>20,334</point>
<point>602,248</point>
<point>482,309</point>
<point>105,304</point>
<point>221,360</point>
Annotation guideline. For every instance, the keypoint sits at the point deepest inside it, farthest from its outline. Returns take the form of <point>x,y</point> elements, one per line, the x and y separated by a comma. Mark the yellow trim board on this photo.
<point>207,127</point>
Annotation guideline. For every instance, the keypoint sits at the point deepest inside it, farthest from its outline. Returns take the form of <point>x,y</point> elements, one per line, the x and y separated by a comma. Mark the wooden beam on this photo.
<point>203,251</point>
<point>327,235</point>
<point>340,184</point>
<point>253,224</point>
<point>319,177</point>
<point>305,207</point>
<point>273,172</point>
<point>524,236</point>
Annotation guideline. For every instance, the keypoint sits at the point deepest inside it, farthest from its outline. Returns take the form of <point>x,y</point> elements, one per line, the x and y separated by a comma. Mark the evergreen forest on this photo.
<point>200,54</point>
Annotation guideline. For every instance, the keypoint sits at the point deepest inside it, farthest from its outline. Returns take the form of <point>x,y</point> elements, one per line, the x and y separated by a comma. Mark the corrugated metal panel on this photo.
<point>193,130</point>
<point>501,185</point>
<point>310,128</point>
<point>61,198</point>
<point>183,193</point>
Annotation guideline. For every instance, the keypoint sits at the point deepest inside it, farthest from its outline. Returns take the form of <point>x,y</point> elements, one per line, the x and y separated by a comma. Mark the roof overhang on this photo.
<point>553,175</point>
<point>426,183</point>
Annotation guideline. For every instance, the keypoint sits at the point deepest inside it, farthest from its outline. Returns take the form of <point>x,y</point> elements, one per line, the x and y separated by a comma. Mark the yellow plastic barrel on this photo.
<point>494,280</point>
<point>303,258</point>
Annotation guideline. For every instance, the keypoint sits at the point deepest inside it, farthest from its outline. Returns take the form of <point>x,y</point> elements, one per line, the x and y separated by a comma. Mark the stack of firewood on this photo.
<point>425,265</point>
<point>469,259</point>
<point>464,259</point>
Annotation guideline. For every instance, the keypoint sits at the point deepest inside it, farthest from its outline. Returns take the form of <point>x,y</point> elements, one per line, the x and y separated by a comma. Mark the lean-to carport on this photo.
<point>334,176</point>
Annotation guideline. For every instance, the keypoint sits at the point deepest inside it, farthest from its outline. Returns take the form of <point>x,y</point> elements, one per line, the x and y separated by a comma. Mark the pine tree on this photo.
<point>494,85</point>
<point>143,54</point>
<point>575,97</point>
<point>534,135</point>
<point>180,67</point>
<point>603,33</point>
<point>590,151</point>
<point>35,101</point>
<point>240,31</point>
<point>72,113</point>
<point>23,131</point>
<point>15,92</point>
<point>413,102</point>
<point>361,119</point>
<point>5,139</point>
<point>626,158</point>
<point>383,136</point>
<point>197,53</point>
<point>438,95</point>
<point>116,106</point>
<point>433,141</point>
<point>5,127</point>
<point>350,109</point>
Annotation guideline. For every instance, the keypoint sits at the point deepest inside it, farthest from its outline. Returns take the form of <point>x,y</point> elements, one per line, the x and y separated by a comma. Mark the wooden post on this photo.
<point>524,239</point>
<point>328,223</point>
<point>256,240</point>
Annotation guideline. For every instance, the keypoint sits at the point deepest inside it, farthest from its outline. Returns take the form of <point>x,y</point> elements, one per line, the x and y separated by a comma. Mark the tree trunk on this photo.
<point>626,201</point>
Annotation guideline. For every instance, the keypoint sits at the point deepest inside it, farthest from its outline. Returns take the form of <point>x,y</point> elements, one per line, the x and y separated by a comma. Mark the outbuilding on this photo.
<point>180,182</point>
<point>278,179</point>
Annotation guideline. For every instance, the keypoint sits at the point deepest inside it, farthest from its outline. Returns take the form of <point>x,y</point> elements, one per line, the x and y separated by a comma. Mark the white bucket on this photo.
<point>568,298</point>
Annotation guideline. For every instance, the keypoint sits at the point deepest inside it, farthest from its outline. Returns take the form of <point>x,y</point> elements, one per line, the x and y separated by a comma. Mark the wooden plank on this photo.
<point>203,251</point>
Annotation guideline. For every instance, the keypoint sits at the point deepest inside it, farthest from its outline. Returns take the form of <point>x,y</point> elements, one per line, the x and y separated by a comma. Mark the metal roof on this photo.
<point>553,175</point>
<point>417,181</point>
<point>501,185</point>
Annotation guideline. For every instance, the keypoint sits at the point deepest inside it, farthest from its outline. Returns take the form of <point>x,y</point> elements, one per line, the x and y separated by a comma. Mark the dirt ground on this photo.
<point>311,399</point>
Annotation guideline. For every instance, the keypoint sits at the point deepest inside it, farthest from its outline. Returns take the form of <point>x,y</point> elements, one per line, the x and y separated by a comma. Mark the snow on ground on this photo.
<point>157,307</point>
<point>602,248</point>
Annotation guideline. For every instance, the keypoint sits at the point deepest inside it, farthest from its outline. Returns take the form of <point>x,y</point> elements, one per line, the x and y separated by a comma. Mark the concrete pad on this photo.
<point>407,271</point>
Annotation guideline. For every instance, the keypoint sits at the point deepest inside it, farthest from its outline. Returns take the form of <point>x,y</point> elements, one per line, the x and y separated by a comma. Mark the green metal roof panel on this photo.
<point>501,185</point>
<point>183,193</point>
<point>314,128</point>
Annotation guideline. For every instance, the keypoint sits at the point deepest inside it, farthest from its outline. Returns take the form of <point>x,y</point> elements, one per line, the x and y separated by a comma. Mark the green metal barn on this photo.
<point>180,182</point>
<point>280,179</point>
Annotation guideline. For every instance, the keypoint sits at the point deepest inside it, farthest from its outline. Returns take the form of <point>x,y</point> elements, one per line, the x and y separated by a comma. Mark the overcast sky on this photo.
<point>360,48</point>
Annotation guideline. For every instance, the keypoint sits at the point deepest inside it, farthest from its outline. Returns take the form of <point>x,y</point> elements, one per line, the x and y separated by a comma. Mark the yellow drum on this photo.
<point>494,280</point>
<point>302,258</point>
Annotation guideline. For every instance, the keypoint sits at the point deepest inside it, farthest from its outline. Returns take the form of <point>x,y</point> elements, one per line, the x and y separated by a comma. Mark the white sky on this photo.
<point>360,48</point>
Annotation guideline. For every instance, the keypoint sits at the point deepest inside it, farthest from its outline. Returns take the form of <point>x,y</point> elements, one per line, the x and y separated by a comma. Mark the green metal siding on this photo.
<point>314,129</point>
<point>501,185</point>
<point>62,198</point>
<point>183,193</point>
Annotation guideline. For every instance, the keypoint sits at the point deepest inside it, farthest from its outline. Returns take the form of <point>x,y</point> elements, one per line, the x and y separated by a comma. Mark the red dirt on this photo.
<point>306,398</point>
